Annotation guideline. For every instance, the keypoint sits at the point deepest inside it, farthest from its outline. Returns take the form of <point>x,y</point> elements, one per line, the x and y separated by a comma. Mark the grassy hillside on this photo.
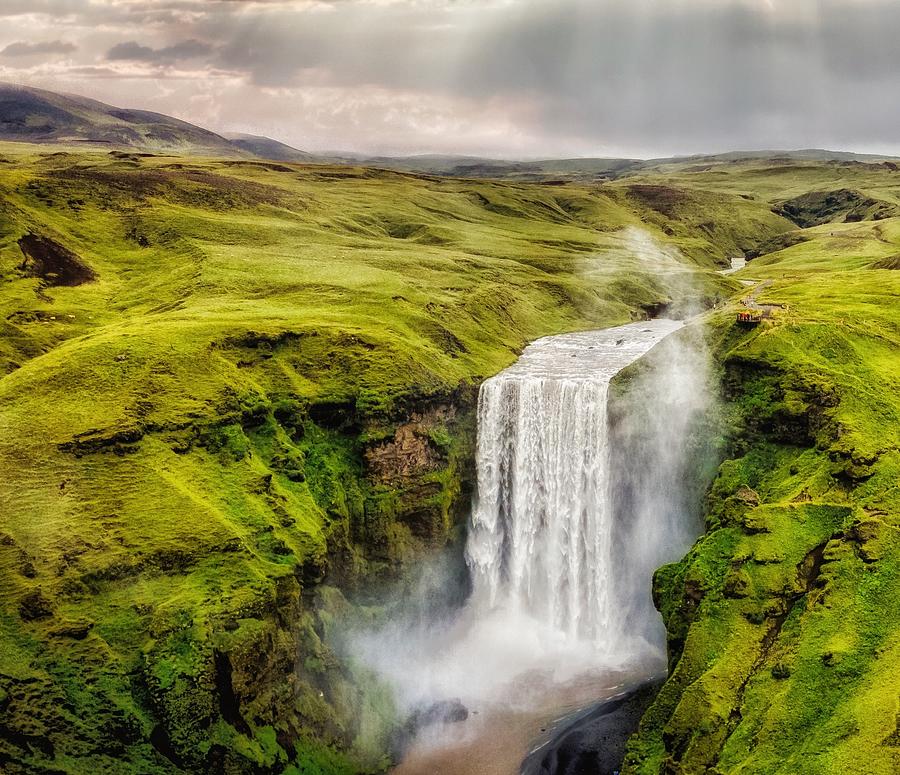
<point>237,393</point>
<point>230,387</point>
<point>267,148</point>
<point>783,620</point>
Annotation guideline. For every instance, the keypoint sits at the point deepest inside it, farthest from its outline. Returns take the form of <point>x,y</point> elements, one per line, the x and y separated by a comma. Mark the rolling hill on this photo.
<point>39,116</point>
<point>267,148</point>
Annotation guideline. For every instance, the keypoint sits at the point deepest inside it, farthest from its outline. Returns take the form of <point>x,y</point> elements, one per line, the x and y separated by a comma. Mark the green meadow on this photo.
<point>782,619</point>
<point>210,369</point>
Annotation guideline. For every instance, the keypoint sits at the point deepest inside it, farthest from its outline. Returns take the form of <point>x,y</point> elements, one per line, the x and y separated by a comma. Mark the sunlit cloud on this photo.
<point>505,77</point>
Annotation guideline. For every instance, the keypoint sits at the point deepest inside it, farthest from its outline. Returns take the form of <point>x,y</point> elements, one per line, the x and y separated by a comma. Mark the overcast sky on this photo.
<point>513,78</point>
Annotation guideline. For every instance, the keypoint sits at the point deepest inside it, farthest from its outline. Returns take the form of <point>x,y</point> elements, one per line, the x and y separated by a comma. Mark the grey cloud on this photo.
<point>12,8</point>
<point>23,48</point>
<point>577,76</point>
<point>134,52</point>
<point>640,74</point>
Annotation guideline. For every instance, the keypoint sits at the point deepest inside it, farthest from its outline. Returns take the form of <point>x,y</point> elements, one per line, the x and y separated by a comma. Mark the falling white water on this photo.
<point>541,534</point>
<point>579,500</point>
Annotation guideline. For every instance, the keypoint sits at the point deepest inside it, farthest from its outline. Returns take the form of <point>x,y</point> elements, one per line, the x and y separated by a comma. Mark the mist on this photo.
<point>535,617</point>
<point>664,421</point>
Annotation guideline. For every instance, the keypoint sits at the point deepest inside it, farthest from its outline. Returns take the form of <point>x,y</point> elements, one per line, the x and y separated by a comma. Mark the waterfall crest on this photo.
<point>541,533</point>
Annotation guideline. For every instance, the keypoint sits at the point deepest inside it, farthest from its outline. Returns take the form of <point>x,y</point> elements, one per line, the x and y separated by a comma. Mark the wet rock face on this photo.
<point>593,743</point>
<point>411,451</point>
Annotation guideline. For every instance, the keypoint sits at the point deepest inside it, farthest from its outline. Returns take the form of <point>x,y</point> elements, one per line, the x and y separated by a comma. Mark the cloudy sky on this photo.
<point>513,78</point>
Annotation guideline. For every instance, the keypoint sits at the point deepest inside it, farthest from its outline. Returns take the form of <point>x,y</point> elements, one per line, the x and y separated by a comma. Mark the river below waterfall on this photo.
<point>575,508</point>
<point>496,739</point>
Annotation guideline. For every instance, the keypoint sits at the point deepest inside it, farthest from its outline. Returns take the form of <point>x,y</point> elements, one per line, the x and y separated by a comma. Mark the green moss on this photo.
<point>186,444</point>
<point>779,622</point>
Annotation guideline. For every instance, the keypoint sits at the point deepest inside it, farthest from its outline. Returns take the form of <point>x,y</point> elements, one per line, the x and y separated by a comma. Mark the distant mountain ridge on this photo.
<point>267,148</point>
<point>35,115</point>
<point>32,115</point>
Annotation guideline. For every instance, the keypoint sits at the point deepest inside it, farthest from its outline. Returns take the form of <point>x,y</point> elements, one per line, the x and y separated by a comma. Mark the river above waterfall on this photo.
<point>594,356</point>
<point>573,513</point>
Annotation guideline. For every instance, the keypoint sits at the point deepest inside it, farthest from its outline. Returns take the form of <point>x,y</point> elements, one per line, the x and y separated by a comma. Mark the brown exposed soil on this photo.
<point>53,263</point>
<point>891,262</point>
<point>410,452</point>
<point>663,199</point>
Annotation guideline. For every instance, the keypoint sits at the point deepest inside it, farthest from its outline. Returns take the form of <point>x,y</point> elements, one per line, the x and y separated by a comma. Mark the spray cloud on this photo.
<point>585,486</point>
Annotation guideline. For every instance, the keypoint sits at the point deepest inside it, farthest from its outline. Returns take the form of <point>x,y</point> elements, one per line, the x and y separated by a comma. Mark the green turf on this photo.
<point>262,405</point>
<point>783,621</point>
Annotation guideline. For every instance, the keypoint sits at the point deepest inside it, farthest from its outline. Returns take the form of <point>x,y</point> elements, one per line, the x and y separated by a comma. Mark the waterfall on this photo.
<point>579,500</point>
<point>541,533</point>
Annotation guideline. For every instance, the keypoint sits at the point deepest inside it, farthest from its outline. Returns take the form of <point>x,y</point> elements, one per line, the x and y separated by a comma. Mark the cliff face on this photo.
<point>782,619</point>
<point>228,670</point>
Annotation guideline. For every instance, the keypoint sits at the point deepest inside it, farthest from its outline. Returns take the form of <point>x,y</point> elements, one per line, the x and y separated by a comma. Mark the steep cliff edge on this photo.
<point>253,406</point>
<point>782,620</point>
<point>191,640</point>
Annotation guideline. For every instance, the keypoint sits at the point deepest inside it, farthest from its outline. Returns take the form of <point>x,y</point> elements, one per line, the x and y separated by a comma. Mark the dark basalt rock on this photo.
<point>442,712</point>
<point>593,742</point>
